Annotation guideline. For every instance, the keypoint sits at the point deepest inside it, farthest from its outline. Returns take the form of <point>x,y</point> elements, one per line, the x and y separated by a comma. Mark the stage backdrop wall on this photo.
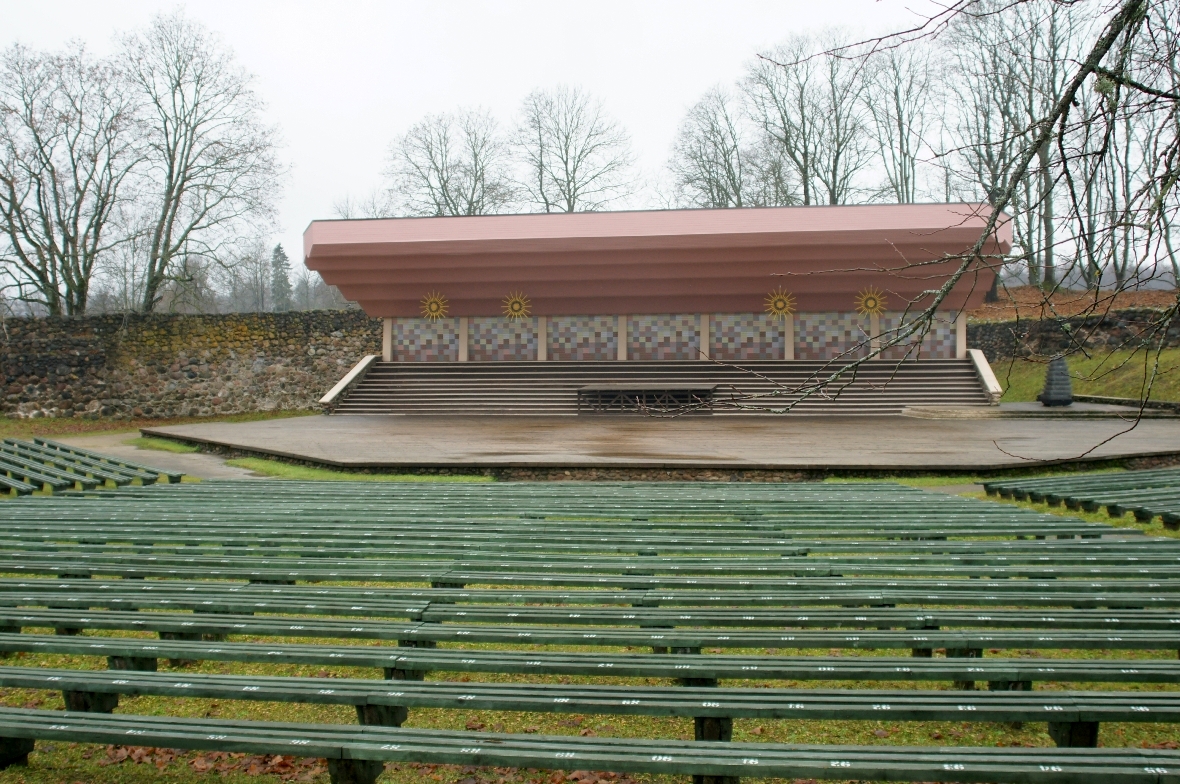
<point>172,365</point>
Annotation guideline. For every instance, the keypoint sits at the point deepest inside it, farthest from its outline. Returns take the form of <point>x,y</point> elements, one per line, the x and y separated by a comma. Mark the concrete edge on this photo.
<point>354,376</point>
<point>983,370</point>
<point>942,467</point>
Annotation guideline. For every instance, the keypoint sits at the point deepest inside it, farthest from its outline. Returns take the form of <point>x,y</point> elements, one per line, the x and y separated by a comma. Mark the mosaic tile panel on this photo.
<point>495,338</point>
<point>938,343</point>
<point>828,335</point>
<point>583,338</point>
<point>740,336</point>
<point>423,340</point>
<point>663,336</point>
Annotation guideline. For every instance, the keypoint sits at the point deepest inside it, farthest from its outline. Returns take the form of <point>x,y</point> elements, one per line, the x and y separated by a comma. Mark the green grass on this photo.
<point>11,427</point>
<point>161,444</point>
<point>280,470</point>
<point>1113,374</point>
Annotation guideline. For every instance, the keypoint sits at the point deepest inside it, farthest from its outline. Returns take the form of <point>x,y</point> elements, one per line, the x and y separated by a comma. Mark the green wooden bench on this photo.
<point>16,486</point>
<point>412,605</point>
<point>355,754</point>
<point>171,476</point>
<point>39,475</point>
<point>98,471</point>
<point>414,633</point>
<point>1160,567</point>
<point>136,653</point>
<point>1073,716</point>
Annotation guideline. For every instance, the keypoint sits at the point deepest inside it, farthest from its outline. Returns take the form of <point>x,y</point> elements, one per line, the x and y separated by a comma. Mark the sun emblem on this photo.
<point>780,303</point>
<point>516,306</point>
<point>434,306</point>
<point>870,302</point>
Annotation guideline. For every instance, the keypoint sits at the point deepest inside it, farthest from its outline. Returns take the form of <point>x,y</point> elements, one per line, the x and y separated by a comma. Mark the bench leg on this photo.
<point>15,751</point>
<point>417,644</point>
<point>448,585</point>
<point>382,715</point>
<point>964,653</point>
<point>394,674</point>
<point>184,637</point>
<point>711,729</point>
<point>922,653</point>
<point>90,701</point>
<point>1011,686</point>
<point>8,630</point>
<point>1074,734</point>
<point>354,771</point>
<point>133,663</point>
<point>67,631</point>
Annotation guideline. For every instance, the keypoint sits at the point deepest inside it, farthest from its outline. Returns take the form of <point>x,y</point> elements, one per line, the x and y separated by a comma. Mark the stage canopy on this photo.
<point>666,261</point>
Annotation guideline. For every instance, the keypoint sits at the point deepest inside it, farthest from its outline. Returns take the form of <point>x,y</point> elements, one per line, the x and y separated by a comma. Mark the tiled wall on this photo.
<point>938,343</point>
<point>579,338</point>
<point>497,338</point>
<point>664,336</point>
<point>733,337</point>
<point>743,336</point>
<point>423,340</point>
<point>828,335</point>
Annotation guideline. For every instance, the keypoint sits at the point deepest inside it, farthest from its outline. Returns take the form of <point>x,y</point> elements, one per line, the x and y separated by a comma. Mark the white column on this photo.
<point>621,334</point>
<point>462,338</point>
<point>961,335</point>
<point>542,338</point>
<point>387,340</point>
<point>789,337</point>
<point>874,332</point>
<point>705,337</point>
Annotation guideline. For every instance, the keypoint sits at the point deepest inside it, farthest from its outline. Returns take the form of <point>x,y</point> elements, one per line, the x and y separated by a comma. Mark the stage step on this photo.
<point>551,388</point>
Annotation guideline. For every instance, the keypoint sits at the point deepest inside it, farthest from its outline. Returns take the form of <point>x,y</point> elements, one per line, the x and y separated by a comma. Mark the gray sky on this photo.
<point>342,79</point>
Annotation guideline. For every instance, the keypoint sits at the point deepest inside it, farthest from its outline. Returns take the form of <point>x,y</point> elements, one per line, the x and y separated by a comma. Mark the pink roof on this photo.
<point>651,262</point>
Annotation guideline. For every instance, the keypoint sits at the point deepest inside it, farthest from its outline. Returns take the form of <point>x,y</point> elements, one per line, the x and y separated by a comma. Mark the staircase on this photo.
<point>551,388</point>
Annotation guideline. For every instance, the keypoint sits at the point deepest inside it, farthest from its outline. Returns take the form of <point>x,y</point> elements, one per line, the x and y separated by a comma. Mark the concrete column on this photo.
<point>621,332</point>
<point>789,337</point>
<point>705,337</point>
<point>462,338</point>
<point>542,338</point>
<point>874,332</point>
<point>961,335</point>
<point>387,340</point>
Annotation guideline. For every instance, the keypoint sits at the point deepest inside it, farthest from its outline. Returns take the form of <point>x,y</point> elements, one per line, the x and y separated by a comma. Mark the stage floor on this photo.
<point>727,443</point>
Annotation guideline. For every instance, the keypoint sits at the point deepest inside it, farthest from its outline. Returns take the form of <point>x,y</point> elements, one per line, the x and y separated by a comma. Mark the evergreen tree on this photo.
<point>280,280</point>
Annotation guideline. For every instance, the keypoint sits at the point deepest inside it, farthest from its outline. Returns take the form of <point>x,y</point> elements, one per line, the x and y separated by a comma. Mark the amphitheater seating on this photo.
<point>687,577</point>
<point>1145,494</point>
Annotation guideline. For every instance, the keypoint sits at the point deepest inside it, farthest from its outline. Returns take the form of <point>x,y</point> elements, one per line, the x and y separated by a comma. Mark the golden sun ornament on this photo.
<point>780,303</point>
<point>434,306</point>
<point>516,306</point>
<point>870,302</point>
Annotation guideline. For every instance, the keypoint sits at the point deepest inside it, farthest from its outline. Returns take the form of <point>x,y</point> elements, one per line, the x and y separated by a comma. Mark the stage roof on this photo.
<point>665,261</point>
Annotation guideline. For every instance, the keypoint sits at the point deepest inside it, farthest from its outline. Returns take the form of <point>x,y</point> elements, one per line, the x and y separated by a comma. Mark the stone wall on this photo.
<point>173,365</point>
<point>1119,329</point>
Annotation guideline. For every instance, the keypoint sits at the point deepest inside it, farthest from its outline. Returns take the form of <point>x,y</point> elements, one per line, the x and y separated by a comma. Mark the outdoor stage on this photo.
<point>818,443</point>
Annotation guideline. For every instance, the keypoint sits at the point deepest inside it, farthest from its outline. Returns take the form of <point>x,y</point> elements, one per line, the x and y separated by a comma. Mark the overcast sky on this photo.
<point>342,79</point>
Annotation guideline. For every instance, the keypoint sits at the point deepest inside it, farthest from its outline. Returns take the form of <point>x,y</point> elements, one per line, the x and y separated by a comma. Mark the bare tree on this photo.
<point>576,158</point>
<point>212,171</point>
<point>451,164</point>
<point>67,146</point>
<point>812,111</point>
<point>900,103</point>
<point>710,158</point>
<point>376,204</point>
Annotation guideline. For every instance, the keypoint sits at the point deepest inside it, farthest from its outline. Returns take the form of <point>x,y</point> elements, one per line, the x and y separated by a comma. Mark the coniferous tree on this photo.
<point>280,280</point>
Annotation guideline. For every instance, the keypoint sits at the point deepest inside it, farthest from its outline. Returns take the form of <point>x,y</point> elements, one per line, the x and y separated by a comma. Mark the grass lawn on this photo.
<point>27,428</point>
<point>1118,374</point>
